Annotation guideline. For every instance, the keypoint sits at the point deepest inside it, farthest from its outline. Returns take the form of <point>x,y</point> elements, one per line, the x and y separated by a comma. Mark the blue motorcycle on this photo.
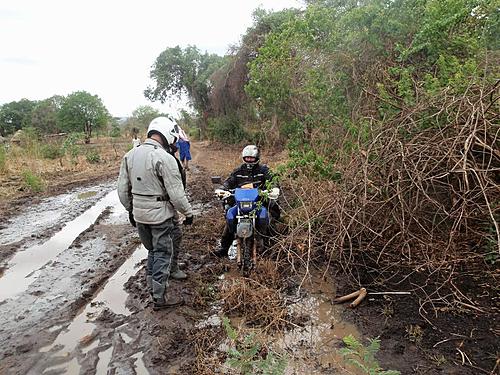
<point>248,219</point>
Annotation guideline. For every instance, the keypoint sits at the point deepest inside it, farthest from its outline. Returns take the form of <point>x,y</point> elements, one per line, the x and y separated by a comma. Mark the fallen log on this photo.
<point>361,297</point>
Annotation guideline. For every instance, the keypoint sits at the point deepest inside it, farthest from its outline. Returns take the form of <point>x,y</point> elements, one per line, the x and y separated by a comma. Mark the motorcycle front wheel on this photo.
<point>246,249</point>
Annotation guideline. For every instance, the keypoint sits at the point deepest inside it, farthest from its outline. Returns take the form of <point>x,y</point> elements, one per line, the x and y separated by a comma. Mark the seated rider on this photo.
<point>248,172</point>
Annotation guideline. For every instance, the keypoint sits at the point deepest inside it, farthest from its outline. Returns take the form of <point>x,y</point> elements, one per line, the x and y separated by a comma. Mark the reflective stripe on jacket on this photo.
<point>150,183</point>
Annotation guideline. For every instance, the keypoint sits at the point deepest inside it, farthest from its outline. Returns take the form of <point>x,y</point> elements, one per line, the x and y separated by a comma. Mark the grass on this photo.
<point>46,160</point>
<point>32,181</point>
<point>3,159</point>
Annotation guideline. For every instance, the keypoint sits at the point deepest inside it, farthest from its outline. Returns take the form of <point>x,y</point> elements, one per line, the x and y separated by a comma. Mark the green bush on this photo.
<point>32,181</point>
<point>115,131</point>
<point>51,151</point>
<point>70,145</point>
<point>3,159</point>
<point>244,354</point>
<point>363,357</point>
<point>227,129</point>
<point>93,157</point>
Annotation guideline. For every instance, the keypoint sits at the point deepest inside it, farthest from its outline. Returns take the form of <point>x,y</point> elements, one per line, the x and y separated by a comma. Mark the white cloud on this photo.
<point>107,47</point>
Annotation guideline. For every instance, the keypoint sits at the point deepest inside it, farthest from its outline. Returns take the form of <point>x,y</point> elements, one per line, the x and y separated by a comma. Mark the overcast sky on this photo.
<point>106,47</point>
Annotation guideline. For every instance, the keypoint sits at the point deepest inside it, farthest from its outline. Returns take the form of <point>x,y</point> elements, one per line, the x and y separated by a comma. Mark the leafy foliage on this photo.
<point>51,151</point>
<point>177,71</point>
<point>244,355</point>
<point>32,181</point>
<point>70,146</point>
<point>15,115</point>
<point>93,157</point>
<point>142,116</point>
<point>44,115</point>
<point>3,159</point>
<point>363,357</point>
<point>82,112</point>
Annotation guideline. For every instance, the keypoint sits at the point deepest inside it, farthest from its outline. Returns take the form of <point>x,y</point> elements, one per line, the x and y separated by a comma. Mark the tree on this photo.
<point>81,111</point>
<point>143,115</point>
<point>15,115</point>
<point>177,71</point>
<point>44,115</point>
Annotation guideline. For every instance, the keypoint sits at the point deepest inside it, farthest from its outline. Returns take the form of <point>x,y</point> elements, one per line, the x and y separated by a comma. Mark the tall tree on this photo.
<point>177,71</point>
<point>143,115</point>
<point>82,111</point>
<point>44,115</point>
<point>15,115</point>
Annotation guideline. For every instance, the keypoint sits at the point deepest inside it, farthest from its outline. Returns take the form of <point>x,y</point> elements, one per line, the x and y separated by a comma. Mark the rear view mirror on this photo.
<point>216,180</point>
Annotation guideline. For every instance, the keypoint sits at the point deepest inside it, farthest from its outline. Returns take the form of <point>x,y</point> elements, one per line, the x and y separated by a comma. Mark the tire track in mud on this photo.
<point>62,286</point>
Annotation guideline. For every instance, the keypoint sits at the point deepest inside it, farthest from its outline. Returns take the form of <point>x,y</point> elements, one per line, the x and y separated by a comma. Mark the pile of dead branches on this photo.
<point>260,305</point>
<point>423,195</point>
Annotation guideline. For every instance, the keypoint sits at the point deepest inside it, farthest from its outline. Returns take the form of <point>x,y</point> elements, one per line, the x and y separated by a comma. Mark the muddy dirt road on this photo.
<point>73,297</point>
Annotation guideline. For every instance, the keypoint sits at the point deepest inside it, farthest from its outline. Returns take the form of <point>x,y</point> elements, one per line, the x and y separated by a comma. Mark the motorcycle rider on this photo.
<point>151,188</point>
<point>251,171</point>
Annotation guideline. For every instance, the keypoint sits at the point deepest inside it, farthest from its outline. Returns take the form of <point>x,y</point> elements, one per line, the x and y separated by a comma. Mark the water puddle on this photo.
<point>24,267</point>
<point>140,369</point>
<point>69,368</point>
<point>93,345</point>
<point>33,220</point>
<point>104,360</point>
<point>112,297</point>
<point>87,194</point>
<point>126,338</point>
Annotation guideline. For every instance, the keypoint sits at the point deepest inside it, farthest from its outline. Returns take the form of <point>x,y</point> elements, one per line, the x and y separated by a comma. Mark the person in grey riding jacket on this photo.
<point>151,187</point>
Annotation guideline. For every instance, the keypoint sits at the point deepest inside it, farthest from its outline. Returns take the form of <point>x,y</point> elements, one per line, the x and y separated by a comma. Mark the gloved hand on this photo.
<point>131,218</point>
<point>188,220</point>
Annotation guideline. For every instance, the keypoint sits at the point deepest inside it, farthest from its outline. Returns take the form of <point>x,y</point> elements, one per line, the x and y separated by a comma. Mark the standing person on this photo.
<point>150,187</point>
<point>184,149</point>
<point>135,141</point>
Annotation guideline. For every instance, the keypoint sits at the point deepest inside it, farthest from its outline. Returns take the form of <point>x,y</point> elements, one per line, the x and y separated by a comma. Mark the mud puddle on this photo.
<point>312,340</point>
<point>80,336</point>
<point>25,266</point>
<point>37,220</point>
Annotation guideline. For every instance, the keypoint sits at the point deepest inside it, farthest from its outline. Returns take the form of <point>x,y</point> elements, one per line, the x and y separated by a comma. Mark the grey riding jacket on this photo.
<point>150,183</point>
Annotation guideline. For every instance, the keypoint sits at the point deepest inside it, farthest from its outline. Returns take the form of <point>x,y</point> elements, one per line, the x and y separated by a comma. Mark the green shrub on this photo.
<point>93,157</point>
<point>245,357</point>
<point>32,181</point>
<point>51,151</point>
<point>227,129</point>
<point>115,131</point>
<point>363,357</point>
<point>70,145</point>
<point>3,159</point>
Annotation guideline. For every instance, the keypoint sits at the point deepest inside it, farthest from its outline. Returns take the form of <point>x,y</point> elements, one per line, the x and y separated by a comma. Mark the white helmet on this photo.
<point>166,127</point>
<point>250,155</point>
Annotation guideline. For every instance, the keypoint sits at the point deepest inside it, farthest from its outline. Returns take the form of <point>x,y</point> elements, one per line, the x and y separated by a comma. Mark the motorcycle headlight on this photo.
<point>246,205</point>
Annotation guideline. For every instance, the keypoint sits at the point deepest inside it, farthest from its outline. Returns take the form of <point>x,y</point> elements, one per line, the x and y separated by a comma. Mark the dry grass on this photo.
<point>258,304</point>
<point>416,199</point>
<point>59,171</point>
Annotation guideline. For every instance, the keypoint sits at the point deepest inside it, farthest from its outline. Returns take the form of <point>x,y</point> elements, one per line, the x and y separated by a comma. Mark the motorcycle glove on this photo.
<point>188,220</point>
<point>131,218</point>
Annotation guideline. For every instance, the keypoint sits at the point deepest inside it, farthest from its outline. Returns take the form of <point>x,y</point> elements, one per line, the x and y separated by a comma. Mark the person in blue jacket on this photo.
<point>184,149</point>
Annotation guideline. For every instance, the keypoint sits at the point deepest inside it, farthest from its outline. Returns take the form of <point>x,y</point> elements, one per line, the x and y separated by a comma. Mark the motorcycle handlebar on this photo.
<point>273,193</point>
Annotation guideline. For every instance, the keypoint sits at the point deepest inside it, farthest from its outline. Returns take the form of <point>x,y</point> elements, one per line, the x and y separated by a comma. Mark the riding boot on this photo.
<point>227,239</point>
